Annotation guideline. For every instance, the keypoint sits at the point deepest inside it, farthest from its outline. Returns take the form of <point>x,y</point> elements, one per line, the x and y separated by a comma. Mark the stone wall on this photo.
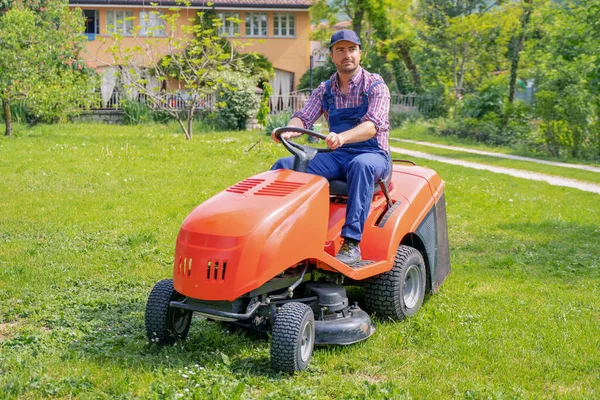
<point>102,116</point>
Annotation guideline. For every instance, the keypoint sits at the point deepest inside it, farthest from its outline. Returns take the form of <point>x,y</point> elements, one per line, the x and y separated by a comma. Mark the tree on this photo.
<point>516,46</point>
<point>204,64</point>
<point>40,60</point>
<point>564,61</point>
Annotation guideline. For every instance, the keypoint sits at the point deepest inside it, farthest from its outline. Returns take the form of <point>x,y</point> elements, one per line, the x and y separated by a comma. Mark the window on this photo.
<point>92,22</point>
<point>284,24</point>
<point>256,24</point>
<point>152,23</point>
<point>230,24</point>
<point>119,22</point>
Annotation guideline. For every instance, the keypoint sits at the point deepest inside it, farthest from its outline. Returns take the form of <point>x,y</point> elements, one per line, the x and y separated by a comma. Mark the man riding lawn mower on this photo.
<point>275,251</point>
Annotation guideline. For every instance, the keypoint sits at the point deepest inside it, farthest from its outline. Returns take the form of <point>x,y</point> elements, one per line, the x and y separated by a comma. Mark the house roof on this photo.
<point>305,4</point>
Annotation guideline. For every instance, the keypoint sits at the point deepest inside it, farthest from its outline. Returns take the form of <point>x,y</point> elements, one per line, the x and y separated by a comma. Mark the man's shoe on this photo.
<point>349,254</point>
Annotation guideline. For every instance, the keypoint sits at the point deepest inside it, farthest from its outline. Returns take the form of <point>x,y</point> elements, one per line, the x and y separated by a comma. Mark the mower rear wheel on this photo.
<point>398,293</point>
<point>165,324</point>
<point>293,337</point>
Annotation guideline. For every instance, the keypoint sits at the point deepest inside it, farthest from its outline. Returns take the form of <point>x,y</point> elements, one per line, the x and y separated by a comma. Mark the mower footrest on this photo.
<point>362,263</point>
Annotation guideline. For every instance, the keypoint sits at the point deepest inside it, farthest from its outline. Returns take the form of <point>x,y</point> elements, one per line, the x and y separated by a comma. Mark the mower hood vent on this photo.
<point>216,269</point>
<point>245,185</point>
<point>279,188</point>
<point>184,266</point>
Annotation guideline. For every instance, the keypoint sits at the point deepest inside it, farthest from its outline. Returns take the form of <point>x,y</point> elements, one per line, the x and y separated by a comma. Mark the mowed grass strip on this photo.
<point>88,223</point>
<point>418,132</point>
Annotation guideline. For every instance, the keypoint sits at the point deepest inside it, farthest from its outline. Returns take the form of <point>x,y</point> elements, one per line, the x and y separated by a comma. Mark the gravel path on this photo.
<point>499,155</point>
<point>552,180</point>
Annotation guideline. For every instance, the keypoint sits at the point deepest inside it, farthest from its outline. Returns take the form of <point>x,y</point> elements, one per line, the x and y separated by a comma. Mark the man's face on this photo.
<point>346,56</point>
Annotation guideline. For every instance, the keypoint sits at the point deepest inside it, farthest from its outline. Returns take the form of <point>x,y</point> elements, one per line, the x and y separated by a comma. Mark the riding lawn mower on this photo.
<point>261,255</point>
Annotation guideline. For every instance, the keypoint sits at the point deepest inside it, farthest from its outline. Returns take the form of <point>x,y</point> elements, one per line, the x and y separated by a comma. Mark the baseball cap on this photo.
<point>344,34</point>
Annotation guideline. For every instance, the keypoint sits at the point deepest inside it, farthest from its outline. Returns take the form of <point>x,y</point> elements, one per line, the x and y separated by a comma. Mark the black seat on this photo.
<point>340,188</point>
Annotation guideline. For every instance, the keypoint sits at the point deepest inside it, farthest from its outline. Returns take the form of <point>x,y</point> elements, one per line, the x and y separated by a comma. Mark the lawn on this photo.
<point>88,224</point>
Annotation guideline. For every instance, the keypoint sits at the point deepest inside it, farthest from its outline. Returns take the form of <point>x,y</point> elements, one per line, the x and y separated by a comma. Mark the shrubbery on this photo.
<point>239,102</point>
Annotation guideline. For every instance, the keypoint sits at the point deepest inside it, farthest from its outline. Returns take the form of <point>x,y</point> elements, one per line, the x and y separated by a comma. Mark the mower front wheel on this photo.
<point>165,324</point>
<point>293,337</point>
<point>398,293</point>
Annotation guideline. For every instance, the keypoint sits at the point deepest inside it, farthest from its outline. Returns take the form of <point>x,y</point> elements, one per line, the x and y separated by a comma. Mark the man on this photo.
<point>356,104</point>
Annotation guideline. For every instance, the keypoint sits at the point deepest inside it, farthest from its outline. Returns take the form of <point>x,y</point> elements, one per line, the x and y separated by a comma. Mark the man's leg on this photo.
<point>361,174</point>
<point>284,163</point>
<point>326,165</point>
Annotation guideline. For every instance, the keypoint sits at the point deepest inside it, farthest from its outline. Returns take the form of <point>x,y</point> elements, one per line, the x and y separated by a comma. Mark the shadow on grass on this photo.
<point>115,334</point>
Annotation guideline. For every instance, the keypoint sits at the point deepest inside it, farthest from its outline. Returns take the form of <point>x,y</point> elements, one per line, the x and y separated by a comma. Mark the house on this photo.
<point>278,29</point>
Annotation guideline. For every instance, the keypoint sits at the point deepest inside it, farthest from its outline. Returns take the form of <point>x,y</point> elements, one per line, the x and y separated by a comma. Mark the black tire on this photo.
<point>398,293</point>
<point>164,324</point>
<point>293,337</point>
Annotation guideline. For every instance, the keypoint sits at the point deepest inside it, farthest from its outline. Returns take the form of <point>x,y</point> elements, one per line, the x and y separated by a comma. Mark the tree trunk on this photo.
<point>7,117</point>
<point>411,66</point>
<point>518,42</point>
<point>183,127</point>
<point>190,122</point>
<point>357,20</point>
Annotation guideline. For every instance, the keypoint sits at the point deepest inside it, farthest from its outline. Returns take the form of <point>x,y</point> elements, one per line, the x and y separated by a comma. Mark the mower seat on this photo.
<point>340,188</point>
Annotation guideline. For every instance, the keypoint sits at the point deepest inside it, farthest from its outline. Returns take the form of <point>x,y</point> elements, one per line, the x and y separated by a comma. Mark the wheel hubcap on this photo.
<point>307,341</point>
<point>412,286</point>
<point>181,320</point>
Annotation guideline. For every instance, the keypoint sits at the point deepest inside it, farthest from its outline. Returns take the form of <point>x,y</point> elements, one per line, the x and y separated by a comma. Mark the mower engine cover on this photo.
<point>252,231</point>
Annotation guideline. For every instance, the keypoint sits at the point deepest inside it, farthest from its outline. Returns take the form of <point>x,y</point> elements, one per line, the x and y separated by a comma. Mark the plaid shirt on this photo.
<point>379,103</point>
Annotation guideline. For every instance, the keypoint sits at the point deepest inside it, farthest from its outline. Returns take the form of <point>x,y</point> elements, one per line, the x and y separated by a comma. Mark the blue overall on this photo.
<point>359,164</point>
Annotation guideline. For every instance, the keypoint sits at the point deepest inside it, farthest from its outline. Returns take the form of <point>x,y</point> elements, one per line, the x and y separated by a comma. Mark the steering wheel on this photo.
<point>302,154</point>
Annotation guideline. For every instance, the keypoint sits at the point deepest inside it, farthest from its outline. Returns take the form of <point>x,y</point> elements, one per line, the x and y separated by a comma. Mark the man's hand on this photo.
<point>334,140</point>
<point>285,135</point>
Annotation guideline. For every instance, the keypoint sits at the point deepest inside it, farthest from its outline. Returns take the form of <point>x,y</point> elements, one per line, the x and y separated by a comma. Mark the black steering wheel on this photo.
<point>302,154</point>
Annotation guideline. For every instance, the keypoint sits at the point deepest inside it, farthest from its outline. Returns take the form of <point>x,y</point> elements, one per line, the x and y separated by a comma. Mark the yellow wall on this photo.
<point>286,53</point>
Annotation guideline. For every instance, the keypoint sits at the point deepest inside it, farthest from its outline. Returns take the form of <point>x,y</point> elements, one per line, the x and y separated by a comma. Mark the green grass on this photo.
<point>582,175</point>
<point>422,131</point>
<point>88,223</point>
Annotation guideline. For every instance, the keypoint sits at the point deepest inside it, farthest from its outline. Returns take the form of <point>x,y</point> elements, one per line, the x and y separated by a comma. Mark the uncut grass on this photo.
<point>88,224</point>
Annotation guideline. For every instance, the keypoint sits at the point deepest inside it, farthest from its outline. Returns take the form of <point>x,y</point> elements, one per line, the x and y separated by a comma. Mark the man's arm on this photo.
<point>308,115</point>
<point>360,133</point>
<point>295,122</point>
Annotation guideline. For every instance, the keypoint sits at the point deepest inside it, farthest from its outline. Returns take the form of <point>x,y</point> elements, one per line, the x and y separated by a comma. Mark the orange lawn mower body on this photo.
<point>261,254</point>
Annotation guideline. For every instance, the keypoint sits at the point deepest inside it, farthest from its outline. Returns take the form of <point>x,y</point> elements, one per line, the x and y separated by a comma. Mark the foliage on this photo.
<point>277,121</point>
<point>319,74</point>
<point>239,99</point>
<point>489,99</point>
<point>40,61</point>
<point>136,112</point>
<point>203,62</point>
<point>565,67</point>
<point>398,119</point>
<point>34,5</point>
<point>263,111</point>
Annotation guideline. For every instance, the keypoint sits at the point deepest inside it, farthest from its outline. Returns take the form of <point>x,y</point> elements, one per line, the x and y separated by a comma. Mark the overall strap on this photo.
<point>366,92</point>
<point>328,101</point>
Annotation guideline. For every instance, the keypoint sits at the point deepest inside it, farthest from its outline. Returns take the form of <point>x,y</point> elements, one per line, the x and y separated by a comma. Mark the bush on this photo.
<point>277,121</point>
<point>490,99</point>
<point>136,112</point>
<point>398,119</point>
<point>18,111</point>
<point>239,102</point>
<point>263,111</point>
